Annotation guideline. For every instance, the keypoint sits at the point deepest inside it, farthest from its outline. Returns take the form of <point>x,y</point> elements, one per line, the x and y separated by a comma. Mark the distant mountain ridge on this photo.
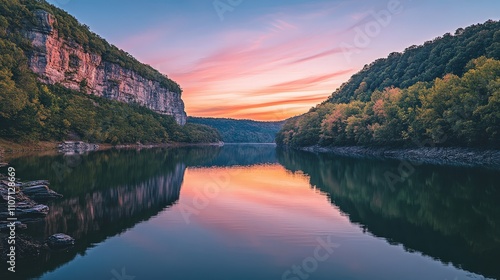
<point>241,131</point>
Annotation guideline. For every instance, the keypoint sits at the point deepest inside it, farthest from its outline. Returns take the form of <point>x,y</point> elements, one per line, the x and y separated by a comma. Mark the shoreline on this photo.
<point>9,149</point>
<point>451,156</point>
<point>446,156</point>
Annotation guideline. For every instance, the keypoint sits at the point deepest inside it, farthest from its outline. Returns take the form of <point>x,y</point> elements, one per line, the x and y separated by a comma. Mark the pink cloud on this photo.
<point>265,107</point>
<point>242,68</point>
<point>253,58</point>
<point>299,84</point>
<point>318,55</point>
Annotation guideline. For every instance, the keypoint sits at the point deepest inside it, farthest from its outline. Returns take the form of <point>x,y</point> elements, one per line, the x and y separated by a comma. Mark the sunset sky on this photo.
<point>268,60</point>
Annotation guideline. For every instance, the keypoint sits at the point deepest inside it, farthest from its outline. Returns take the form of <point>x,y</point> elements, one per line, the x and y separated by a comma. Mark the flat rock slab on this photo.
<point>60,240</point>
<point>5,226</point>
<point>37,210</point>
<point>34,183</point>
<point>40,193</point>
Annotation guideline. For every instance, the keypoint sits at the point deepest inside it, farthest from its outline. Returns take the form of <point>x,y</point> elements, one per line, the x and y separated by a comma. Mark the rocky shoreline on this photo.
<point>28,197</point>
<point>79,147</point>
<point>76,147</point>
<point>466,157</point>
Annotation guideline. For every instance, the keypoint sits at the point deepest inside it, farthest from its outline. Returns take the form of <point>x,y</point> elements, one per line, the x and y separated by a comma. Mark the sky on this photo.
<point>268,60</point>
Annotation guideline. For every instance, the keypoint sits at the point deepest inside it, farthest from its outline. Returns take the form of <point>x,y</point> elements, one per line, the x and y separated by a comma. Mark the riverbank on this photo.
<point>466,157</point>
<point>10,146</point>
<point>9,149</point>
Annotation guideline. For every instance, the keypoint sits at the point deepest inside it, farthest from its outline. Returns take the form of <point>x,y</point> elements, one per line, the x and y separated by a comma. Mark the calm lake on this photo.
<point>253,212</point>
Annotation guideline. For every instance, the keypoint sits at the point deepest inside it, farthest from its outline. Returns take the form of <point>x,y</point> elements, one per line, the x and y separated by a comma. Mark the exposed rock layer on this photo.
<point>56,60</point>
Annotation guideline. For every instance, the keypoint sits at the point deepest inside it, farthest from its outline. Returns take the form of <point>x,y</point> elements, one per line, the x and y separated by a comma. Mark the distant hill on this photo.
<point>445,92</point>
<point>241,131</point>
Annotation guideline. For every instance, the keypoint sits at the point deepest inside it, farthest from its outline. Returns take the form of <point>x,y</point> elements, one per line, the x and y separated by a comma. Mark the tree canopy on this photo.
<point>241,131</point>
<point>448,54</point>
<point>444,93</point>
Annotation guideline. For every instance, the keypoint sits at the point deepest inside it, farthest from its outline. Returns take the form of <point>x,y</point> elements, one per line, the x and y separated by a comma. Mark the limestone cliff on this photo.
<point>57,60</point>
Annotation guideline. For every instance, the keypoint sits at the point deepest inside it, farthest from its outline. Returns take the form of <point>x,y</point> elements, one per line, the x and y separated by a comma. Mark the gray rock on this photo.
<point>34,211</point>
<point>40,193</point>
<point>34,183</point>
<point>60,240</point>
<point>44,22</point>
<point>76,147</point>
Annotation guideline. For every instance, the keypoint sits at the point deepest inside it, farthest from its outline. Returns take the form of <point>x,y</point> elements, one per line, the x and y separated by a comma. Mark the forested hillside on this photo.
<point>446,92</point>
<point>16,15</point>
<point>448,54</point>
<point>31,111</point>
<point>241,131</point>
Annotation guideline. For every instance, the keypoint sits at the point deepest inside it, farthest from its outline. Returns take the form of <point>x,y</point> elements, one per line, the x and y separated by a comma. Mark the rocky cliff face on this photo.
<point>61,61</point>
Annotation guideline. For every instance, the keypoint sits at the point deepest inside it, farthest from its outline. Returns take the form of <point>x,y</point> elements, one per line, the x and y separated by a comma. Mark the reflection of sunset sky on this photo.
<point>262,205</point>
<point>266,60</point>
<point>265,194</point>
<point>266,220</point>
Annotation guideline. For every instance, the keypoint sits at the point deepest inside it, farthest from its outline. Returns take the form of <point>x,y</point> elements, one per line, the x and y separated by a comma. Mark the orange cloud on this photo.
<point>236,108</point>
<point>281,113</point>
<point>272,110</point>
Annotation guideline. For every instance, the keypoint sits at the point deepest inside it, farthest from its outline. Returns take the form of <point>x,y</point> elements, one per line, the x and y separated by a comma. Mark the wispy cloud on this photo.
<point>318,55</point>
<point>242,67</point>
<point>236,109</point>
<point>300,84</point>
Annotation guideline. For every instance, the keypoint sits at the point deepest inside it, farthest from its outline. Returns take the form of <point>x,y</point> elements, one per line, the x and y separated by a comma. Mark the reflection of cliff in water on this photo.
<point>78,174</point>
<point>108,192</point>
<point>108,202</point>
<point>450,214</point>
<point>115,209</point>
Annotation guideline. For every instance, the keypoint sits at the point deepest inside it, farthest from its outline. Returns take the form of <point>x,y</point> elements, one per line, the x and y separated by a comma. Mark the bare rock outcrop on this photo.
<point>57,60</point>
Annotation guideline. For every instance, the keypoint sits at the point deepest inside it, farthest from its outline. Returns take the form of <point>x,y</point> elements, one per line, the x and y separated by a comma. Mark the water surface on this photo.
<point>252,212</point>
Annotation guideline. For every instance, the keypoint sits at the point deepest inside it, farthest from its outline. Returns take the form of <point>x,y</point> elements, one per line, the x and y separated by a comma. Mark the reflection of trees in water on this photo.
<point>106,194</point>
<point>114,209</point>
<point>104,213</point>
<point>238,154</point>
<point>451,214</point>
<point>448,213</point>
<point>81,174</point>
<point>110,191</point>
